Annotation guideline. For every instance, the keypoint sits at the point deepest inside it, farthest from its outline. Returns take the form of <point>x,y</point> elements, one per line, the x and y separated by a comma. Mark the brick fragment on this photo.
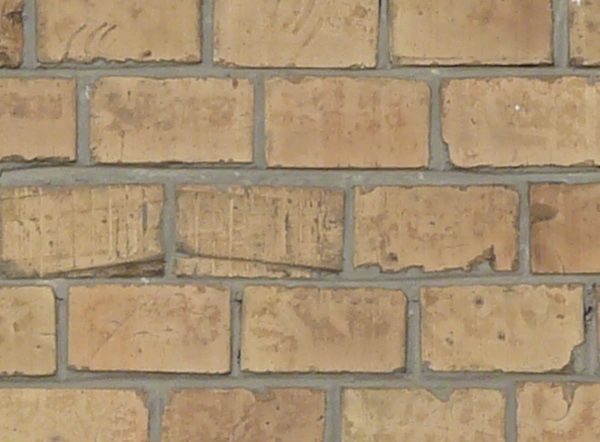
<point>284,415</point>
<point>468,415</point>
<point>329,122</point>
<point>144,120</point>
<point>27,331</point>
<point>80,231</point>
<point>510,328</point>
<point>11,33</point>
<point>436,228</point>
<point>325,330</point>
<point>259,231</point>
<point>166,328</point>
<point>584,28</point>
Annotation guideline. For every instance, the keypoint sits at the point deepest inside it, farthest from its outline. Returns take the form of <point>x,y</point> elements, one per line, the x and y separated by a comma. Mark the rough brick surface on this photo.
<point>37,119</point>
<point>11,32</point>
<point>347,122</point>
<point>27,331</point>
<point>558,412</point>
<point>72,415</point>
<point>468,415</point>
<point>584,30</point>
<point>141,30</point>
<point>150,328</point>
<point>564,228</point>
<point>309,329</point>
<point>140,120</point>
<point>283,415</point>
<point>436,228</point>
<point>304,33</point>
<point>80,231</point>
<point>471,32</point>
<point>259,231</point>
<point>506,122</point>
<point>510,328</point>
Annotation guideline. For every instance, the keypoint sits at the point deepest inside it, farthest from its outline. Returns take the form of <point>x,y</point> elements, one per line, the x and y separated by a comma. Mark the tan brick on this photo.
<point>139,120</point>
<point>27,331</point>
<point>11,32</point>
<point>72,415</point>
<point>510,328</point>
<point>468,415</point>
<point>150,328</point>
<point>304,33</point>
<point>141,30</point>
<point>259,231</point>
<point>80,231</point>
<point>471,32</point>
<point>436,228</point>
<point>507,122</point>
<point>558,412</point>
<point>584,32</point>
<point>347,122</point>
<point>282,415</point>
<point>37,119</point>
<point>311,329</point>
<point>564,222</point>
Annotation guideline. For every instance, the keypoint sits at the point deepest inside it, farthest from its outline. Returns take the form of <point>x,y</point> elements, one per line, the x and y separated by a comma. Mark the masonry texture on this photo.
<point>299,221</point>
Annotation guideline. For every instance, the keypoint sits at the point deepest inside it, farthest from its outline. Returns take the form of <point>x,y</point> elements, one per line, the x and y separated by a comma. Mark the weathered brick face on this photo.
<point>299,221</point>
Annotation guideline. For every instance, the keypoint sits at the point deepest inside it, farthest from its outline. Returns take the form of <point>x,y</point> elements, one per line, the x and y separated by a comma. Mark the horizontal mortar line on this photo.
<point>73,175</point>
<point>176,70</point>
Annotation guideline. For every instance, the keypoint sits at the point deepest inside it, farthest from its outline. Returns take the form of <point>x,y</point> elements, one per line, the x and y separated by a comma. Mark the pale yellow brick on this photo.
<point>11,32</point>
<point>584,31</point>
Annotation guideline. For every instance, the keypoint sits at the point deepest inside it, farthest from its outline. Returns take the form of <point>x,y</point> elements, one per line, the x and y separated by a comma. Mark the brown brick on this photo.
<point>507,122</point>
<point>585,32</point>
<point>471,32</point>
<point>37,119</point>
<point>510,328</point>
<point>347,122</point>
<point>140,120</point>
<point>140,30</point>
<point>72,415</point>
<point>259,231</point>
<point>564,228</point>
<point>11,32</point>
<point>558,412</point>
<point>468,415</point>
<point>27,331</point>
<point>282,415</point>
<point>436,228</point>
<point>311,329</point>
<point>80,231</point>
<point>150,328</point>
<point>304,33</point>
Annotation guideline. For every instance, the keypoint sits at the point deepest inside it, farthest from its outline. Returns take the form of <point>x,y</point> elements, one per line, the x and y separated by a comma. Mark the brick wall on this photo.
<point>299,221</point>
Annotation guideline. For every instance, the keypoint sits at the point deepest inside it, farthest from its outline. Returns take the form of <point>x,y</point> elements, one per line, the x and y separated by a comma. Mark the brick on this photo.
<point>304,33</point>
<point>471,32</point>
<point>259,231</point>
<point>558,412</point>
<point>506,122</point>
<point>72,415</point>
<point>139,120</point>
<point>564,228</point>
<point>37,119</point>
<point>347,122</point>
<point>467,415</point>
<point>80,231</point>
<point>436,228</point>
<point>584,29</point>
<point>163,328</point>
<point>282,415</point>
<point>11,33</point>
<point>27,331</point>
<point>141,30</point>
<point>510,328</point>
<point>327,330</point>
